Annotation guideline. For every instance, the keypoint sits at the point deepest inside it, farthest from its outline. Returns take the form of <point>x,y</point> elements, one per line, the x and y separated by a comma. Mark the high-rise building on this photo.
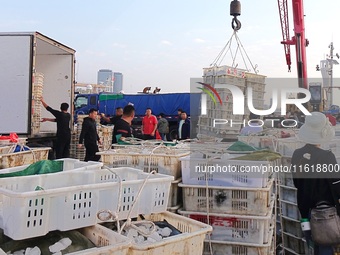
<point>117,82</point>
<point>105,77</point>
<point>113,81</point>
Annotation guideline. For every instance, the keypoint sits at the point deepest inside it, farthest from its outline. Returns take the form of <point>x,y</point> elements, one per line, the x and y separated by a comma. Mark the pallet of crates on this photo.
<point>30,205</point>
<point>23,157</point>
<point>189,241</point>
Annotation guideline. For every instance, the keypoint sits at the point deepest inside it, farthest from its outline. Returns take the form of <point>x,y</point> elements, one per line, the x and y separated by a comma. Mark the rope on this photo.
<point>239,49</point>
<point>128,222</point>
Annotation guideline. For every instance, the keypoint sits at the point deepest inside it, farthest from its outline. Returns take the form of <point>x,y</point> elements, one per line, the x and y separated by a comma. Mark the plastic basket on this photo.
<point>175,193</point>
<point>291,226</point>
<point>188,243</point>
<point>163,160</point>
<point>288,194</point>
<point>27,212</point>
<point>23,157</point>
<point>225,172</point>
<point>251,201</point>
<point>289,209</point>
<point>68,164</point>
<point>107,241</point>
<point>237,228</point>
<point>286,146</point>
<point>228,248</point>
<point>293,243</point>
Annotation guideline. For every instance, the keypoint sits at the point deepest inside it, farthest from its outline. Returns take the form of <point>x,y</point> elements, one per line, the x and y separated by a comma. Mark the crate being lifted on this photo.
<point>220,105</point>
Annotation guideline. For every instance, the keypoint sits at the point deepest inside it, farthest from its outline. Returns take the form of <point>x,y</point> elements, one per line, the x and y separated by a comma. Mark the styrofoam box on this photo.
<point>287,193</point>
<point>68,164</point>
<point>165,161</point>
<point>229,248</point>
<point>247,201</point>
<point>188,243</point>
<point>225,171</point>
<point>291,226</point>
<point>23,157</point>
<point>290,209</point>
<point>107,241</point>
<point>34,205</point>
<point>237,228</point>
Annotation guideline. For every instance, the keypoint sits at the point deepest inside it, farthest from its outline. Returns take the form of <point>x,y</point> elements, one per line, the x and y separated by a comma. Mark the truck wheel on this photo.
<point>172,134</point>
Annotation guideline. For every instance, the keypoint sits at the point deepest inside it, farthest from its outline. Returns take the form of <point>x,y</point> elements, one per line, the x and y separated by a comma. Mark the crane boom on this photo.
<point>299,39</point>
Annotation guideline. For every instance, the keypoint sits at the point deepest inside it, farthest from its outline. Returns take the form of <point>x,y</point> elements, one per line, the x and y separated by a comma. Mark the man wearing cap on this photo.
<point>62,117</point>
<point>312,186</point>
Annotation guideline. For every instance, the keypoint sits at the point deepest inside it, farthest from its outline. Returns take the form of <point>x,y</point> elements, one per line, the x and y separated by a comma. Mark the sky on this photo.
<point>165,43</point>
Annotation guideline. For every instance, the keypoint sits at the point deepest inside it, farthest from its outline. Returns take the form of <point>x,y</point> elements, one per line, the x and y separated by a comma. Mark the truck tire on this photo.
<point>172,133</point>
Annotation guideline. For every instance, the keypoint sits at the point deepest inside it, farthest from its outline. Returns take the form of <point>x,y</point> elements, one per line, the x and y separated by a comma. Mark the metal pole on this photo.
<point>331,75</point>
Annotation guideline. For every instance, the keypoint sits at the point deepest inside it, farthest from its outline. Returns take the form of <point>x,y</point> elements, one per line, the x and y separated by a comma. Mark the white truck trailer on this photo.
<point>33,65</point>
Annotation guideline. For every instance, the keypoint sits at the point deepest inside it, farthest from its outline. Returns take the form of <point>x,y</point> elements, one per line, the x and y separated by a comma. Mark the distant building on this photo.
<point>117,82</point>
<point>113,81</point>
<point>105,77</point>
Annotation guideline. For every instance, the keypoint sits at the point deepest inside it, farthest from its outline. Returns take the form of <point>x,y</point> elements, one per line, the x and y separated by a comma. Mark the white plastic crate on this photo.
<point>175,193</point>
<point>237,228</point>
<point>290,209</point>
<point>162,160</point>
<point>28,212</point>
<point>293,243</point>
<point>287,146</point>
<point>288,193</point>
<point>228,248</point>
<point>246,201</point>
<point>68,164</point>
<point>107,241</point>
<point>224,171</point>
<point>291,226</point>
<point>188,243</point>
<point>24,157</point>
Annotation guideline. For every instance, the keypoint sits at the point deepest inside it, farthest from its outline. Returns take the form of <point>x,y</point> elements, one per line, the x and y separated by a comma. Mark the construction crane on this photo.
<point>299,39</point>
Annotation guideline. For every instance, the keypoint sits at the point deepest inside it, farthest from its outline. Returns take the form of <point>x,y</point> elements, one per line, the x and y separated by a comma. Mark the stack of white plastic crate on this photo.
<point>161,159</point>
<point>75,152</point>
<point>231,76</point>
<point>37,90</point>
<point>105,135</point>
<point>238,205</point>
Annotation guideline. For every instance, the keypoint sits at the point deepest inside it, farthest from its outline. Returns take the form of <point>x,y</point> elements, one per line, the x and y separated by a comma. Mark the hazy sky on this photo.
<point>165,43</point>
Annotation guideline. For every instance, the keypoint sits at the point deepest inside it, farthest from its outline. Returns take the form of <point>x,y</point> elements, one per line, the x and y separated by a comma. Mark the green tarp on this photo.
<point>264,155</point>
<point>40,167</point>
<point>241,146</point>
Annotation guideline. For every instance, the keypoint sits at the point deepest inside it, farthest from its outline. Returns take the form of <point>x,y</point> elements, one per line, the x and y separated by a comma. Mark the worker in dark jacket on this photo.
<point>90,136</point>
<point>183,127</point>
<point>314,186</point>
<point>62,117</point>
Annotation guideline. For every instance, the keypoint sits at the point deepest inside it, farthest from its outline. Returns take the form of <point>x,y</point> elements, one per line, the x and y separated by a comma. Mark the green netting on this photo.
<point>241,146</point>
<point>103,97</point>
<point>40,167</point>
<point>264,155</point>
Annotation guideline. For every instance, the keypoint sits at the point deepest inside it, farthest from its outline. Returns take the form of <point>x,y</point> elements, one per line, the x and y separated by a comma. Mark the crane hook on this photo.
<point>235,10</point>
